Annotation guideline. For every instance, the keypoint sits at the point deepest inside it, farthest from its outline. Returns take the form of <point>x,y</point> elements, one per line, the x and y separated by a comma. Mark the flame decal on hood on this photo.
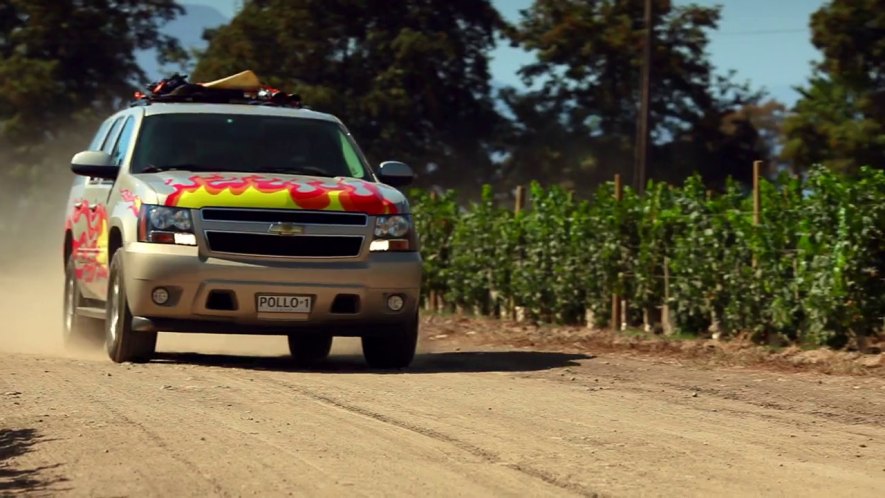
<point>257,191</point>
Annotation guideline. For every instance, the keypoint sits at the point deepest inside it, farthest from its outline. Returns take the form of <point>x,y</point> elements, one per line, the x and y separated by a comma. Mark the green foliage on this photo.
<point>840,119</point>
<point>812,272</point>
<point>63,65</point>
<point>542,280</point>
<point>472,255</point>
<point>57,58</point>
<point>435,219</point>
<point>580,123</point>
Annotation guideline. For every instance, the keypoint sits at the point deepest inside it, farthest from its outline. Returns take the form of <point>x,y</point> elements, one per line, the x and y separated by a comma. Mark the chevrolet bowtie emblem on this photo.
<point>285,229</point>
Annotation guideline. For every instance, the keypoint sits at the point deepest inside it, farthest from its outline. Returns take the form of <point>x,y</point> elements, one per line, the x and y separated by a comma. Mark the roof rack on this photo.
<point>242,88</point>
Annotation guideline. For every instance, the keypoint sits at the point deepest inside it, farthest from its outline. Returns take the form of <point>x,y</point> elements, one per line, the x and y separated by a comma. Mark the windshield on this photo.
<point>245,143</point>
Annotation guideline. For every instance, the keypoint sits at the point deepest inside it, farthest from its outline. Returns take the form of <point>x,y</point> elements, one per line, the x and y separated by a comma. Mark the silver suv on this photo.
<point>203,212</point>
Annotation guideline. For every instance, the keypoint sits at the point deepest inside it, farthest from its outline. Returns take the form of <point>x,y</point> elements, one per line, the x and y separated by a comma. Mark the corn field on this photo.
<point>811,272</point>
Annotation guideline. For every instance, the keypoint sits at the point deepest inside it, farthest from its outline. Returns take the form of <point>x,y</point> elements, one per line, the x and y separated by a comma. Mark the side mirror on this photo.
<point>395,174</point>
<point>94,164</point>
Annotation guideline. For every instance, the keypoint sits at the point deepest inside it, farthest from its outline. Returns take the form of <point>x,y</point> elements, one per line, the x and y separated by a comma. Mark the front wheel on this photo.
<point>123,343</point>
<point>394,348</point>
<point>309,349</point>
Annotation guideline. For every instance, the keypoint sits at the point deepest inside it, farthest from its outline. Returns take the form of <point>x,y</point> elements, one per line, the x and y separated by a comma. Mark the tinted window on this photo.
<point>123,142</point>
<point>235,142</point>
<point>111,139</point>
<point>100,135</point>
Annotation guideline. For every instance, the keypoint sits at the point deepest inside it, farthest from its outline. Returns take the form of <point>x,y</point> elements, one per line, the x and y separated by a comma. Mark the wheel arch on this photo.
<point>68,247</point>
<point>115,241</point>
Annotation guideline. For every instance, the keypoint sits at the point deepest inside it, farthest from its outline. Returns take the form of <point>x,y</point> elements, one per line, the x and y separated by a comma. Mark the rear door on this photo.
<point>96,194</point>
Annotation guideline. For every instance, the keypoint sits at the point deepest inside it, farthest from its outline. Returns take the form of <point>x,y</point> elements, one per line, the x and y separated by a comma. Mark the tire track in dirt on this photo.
<point>192,425</point>
<point>154,431</point>
<point>486,455</point>
<point>98,395</point>
<point>156,411</point>
<point>661,421</point>
<point>412,428</point>
<point>222,432</point>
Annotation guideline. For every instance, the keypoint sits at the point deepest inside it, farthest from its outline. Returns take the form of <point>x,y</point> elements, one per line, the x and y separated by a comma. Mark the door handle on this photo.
<point>93,207</point>
<point>78,204</point>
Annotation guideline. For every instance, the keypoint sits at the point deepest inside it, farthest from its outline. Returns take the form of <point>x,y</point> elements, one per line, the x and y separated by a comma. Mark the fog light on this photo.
<point>395,302</point>
<point>160,296</point>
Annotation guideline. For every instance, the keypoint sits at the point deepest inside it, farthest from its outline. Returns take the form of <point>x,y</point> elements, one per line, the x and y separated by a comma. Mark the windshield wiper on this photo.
<point>299,170</point>
<point>153,168</point>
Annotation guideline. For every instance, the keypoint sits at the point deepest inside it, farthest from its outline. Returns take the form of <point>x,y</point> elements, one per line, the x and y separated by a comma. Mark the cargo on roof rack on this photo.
<point>241,88</point>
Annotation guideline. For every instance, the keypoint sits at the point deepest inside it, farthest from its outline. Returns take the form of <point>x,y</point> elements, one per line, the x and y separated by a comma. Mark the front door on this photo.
<point>86,221</point>
<point>94,242</point>
<point>96,195</point>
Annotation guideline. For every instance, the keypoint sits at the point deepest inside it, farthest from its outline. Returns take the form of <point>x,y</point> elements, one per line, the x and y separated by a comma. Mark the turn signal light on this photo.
<point>387,245</point>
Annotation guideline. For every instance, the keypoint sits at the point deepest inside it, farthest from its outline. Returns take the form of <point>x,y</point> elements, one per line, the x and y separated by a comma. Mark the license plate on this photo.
<point>270,303</point>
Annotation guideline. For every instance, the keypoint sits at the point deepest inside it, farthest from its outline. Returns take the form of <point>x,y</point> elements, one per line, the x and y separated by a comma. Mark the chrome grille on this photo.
<point>298,246</point>
<point>269,216</point>
<point>283,233</point>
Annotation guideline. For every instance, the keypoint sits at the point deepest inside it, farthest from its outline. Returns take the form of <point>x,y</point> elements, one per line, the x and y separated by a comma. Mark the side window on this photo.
<point>111,139</point>
<point>123,142</point>
<point>100,135</point>
<point>350,156</point>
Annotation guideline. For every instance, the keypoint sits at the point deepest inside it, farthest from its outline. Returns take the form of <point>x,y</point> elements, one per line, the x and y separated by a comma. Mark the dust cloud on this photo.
<point>31,285</point>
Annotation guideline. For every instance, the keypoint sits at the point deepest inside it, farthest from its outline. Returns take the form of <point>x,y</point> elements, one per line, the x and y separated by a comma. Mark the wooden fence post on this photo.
<point>432,303</point>
<point>666,321</point>
<point>616,299</point>
<point>518,206</point>
<point>757,199</point>
<point>757,194</point>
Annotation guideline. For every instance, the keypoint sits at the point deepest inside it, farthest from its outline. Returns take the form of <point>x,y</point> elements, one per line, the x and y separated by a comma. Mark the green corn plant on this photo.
<point>472,259</point>
<point>435,219</point>
<point>812,272</point>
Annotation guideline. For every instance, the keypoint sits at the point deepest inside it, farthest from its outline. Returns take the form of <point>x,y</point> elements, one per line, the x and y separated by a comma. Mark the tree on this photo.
<point>587,77</point>
<point>57,58</point>
<point>410,79</point>
<point>63,64</point>
<point>840,118</point>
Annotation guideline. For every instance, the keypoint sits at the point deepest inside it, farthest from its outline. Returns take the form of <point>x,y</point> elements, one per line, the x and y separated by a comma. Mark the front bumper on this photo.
<point>192,278</point>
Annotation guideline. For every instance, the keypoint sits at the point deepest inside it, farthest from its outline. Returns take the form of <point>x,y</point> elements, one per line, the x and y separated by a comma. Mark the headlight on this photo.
<point>393,233</point>
<point>166,225</point>
<point>164,218</point>
<point>392,227</point>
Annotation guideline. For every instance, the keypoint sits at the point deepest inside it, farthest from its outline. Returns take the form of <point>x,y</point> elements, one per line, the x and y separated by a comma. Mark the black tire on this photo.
<point>123,343</point>
<point>78,332</point>
<point>309,349</point>
<point>394,348</point>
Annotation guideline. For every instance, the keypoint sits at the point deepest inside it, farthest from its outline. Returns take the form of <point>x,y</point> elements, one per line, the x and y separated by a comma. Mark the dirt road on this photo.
<point>499,422</point>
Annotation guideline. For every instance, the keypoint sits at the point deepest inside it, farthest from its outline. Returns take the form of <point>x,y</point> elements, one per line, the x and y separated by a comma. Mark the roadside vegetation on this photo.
<point>812,272</point>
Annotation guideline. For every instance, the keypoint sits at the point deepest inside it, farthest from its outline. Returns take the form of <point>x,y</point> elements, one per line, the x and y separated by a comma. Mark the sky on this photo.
<point>767,42</point>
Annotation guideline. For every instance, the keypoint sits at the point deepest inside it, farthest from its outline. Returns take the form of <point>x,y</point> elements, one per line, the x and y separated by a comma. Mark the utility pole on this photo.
<point>640,169</point>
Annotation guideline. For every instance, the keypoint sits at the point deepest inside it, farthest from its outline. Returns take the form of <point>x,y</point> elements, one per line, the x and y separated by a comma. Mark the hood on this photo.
<point>192,190</point>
